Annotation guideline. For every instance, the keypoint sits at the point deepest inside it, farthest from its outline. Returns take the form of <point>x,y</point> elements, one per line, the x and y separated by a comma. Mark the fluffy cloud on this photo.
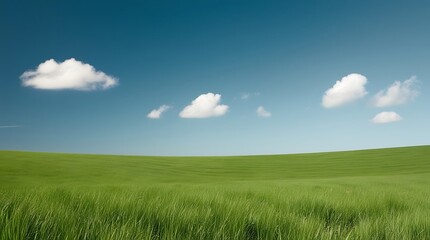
<point>348,89</point>
<point>386,117</point>
<point>70,74</point>
<point>261,112</point>
<point>156,113</point>
<point>398,93</point>
<point>204,106</point>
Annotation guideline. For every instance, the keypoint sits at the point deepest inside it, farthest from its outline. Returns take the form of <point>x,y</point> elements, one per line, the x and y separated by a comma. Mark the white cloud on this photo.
<point>346,90</point>
<point>246,96</point>
<point>70,74</point>
<point>386,117</point>
<point>261,112</point>
<point>156,113</point>
<point>204,106</point>
<point>398,93</point>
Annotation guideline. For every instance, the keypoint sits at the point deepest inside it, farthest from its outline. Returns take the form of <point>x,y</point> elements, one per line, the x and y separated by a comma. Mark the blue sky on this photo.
<point>283,55</point>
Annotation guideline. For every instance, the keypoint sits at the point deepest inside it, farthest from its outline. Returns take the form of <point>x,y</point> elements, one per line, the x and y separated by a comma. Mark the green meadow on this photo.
<point>368,194</point>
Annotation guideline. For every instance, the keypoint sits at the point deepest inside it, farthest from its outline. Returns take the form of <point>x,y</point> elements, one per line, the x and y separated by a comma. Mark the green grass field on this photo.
<point>369,194</point>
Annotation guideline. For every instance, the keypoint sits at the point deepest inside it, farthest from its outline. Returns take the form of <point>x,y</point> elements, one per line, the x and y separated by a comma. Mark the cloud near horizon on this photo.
<point>205,106</point>
<point>70,74</point>
<point>346,90</point>
<point>398,93</point>
<point>261,112</point>
<point>386,117</point>
<point>156,113</point>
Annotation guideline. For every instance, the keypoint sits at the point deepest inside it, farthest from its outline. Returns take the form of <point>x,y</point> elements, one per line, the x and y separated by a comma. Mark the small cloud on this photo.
<point>386,117</point>
<point>10,126</point>
<point>261,112</point>
<point>398,93</point>
<point>246,96</point>
<point>204,106</point>
<point>156,113</point>
<point>346,90</point>
<point>70,74</point>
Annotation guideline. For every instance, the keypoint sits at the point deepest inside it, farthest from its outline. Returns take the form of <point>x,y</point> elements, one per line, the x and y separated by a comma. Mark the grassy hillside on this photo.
<point>369,194</point>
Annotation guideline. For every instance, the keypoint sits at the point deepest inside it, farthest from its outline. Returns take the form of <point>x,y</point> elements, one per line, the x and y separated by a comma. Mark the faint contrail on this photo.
<point>10,126</point>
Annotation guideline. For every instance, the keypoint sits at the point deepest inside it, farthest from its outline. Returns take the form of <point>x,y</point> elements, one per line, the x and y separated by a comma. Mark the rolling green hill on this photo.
<point>368,194</point>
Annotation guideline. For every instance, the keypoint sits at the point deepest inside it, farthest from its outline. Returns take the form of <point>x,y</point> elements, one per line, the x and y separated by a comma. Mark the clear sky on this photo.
<point>262,74</point>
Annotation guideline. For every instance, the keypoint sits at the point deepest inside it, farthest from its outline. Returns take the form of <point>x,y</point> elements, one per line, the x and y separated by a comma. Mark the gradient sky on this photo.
<point>285,55</point>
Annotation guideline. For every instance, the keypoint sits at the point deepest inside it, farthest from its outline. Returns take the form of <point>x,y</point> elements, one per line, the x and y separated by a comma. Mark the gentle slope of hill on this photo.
<point>368,194</point>
<point>57,168</point>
